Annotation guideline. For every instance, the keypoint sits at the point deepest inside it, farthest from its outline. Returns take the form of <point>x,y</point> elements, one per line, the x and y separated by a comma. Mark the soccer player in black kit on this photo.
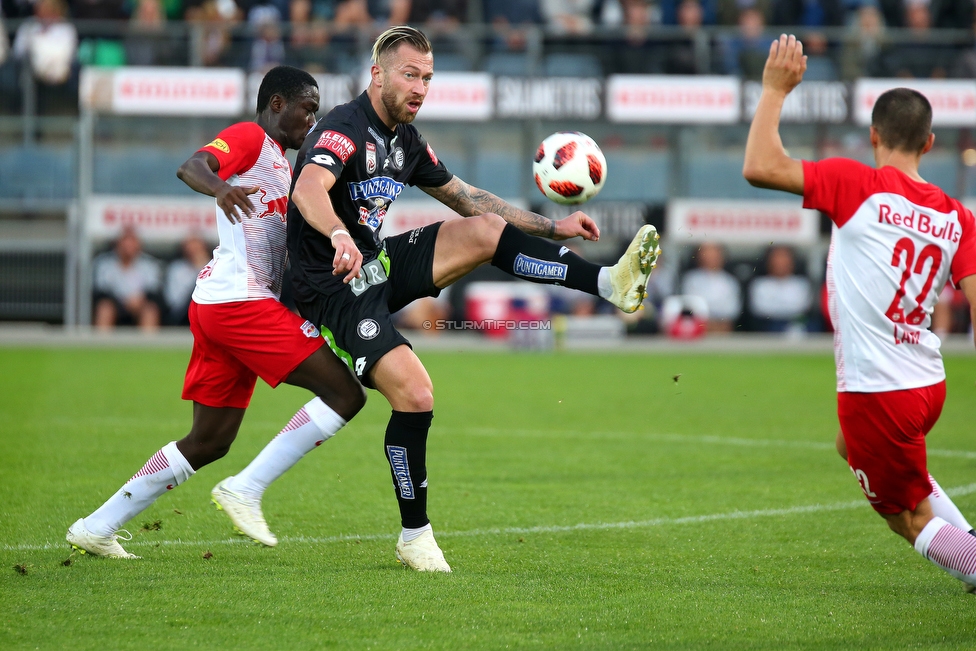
<point>353,165</point>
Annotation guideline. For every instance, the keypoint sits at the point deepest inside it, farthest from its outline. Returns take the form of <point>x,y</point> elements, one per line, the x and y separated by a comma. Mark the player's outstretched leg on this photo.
<point>339,397</point>
<point>98,534</point>
<point>542,261</point>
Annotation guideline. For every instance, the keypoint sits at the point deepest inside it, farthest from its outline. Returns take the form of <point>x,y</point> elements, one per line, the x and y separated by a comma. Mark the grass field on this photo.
<point>584,501</point>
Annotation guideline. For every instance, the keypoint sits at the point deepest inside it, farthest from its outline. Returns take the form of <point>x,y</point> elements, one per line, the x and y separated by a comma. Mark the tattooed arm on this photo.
<point>468,201</point>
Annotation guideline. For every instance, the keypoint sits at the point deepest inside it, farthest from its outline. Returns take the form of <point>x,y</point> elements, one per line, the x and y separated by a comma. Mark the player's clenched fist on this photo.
<point>234,198</point>
<point>785,65</point>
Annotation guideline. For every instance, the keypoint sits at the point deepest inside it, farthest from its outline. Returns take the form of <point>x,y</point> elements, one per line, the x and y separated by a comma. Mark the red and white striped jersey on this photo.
<point>249,262</point>
<point>895,243</point>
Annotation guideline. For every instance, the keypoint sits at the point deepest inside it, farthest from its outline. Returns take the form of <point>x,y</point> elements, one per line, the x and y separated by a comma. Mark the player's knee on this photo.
<point>417,398</point>
<point>349,402</point>
<point>490,227</point>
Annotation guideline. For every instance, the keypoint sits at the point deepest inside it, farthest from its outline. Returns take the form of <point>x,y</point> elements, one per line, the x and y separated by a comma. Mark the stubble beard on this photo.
<point>395,110</point>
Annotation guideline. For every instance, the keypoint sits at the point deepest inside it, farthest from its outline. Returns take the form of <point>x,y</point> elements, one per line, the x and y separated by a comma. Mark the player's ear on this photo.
<point>277,103</point>
<point>875,138</point>
<point>928,144</point>
<point>376,73</point>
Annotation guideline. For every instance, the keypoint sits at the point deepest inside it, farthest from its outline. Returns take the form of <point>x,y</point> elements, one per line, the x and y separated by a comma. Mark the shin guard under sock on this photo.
<point>406,451</point>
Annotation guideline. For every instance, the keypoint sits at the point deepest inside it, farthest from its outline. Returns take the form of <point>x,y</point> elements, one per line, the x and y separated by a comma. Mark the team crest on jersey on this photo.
<point>273,207</point>
<point>310,330</point>
<point>370,157</point>
<point>397,158</point>
<point>372,217</point>
<point>368,329</point>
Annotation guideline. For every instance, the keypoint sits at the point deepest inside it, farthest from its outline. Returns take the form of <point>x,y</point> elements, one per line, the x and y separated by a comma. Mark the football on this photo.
<point>569,167</point>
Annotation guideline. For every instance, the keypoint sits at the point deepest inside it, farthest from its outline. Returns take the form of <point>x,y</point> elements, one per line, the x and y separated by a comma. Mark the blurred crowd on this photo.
<point>694,292</point>
<point>595,37</point>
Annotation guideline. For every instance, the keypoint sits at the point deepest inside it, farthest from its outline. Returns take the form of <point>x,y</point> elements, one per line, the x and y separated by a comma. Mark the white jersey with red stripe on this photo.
<point>249,262</point>
<point>894,244</point>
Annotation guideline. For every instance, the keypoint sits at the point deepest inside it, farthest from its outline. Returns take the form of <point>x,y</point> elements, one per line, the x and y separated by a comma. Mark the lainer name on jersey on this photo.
<point>948,230</point>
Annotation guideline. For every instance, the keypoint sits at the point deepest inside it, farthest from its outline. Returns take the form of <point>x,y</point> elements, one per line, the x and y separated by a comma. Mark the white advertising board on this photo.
<point>178,91</point>
<point>673,99</point>
<point>155,219</point>
<point>741,221</point>
<point>465,96</point>
<point>953,101</point>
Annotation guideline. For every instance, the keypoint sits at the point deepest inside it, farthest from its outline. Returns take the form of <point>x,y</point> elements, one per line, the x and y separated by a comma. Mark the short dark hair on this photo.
<point>903,119</point>
<point>394,36</point>
<point>286,81</point>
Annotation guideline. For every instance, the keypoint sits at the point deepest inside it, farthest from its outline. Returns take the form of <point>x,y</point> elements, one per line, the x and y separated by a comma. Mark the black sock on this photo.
<point>542,261</point>
<point>406,451</point>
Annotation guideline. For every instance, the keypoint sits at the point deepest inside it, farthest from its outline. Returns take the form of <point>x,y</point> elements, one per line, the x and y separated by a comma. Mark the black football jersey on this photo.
<point>371,164</point>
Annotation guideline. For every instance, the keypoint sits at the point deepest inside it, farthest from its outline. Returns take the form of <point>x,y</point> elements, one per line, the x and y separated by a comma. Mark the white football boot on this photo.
<point>80,538</point>
<point>422,554</point>
<point>244,513</point>
<point>628,277</point>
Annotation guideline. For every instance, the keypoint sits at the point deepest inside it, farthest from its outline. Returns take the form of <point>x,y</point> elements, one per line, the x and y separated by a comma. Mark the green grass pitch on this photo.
<point>584,500</point>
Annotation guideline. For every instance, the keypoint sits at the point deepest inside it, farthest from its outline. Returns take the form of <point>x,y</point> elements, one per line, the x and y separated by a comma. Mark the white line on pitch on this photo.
<point>502,531</point>
<point>681,438</point>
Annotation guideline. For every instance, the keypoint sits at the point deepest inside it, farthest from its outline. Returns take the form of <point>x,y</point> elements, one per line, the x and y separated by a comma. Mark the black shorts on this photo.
<point>357,321</point>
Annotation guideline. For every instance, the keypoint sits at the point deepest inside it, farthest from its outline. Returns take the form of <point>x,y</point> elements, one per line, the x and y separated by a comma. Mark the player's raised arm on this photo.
<point>200,173</point>
<point>468,201</point>
<point>311,195</point>
<point>767,165</point>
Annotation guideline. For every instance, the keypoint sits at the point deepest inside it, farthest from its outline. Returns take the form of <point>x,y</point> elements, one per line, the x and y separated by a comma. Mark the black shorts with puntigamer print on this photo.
<point>357,320</point>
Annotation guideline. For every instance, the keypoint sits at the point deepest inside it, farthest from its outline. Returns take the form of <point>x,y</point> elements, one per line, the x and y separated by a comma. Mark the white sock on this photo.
<point>314,424</point>
<point>944,508</point>
<point>164,471</point>
<point>603,283</point>
<point>413,534</point>
<point>950,548</point>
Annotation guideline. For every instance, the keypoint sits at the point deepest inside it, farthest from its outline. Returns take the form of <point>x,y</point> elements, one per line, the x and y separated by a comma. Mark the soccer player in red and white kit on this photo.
<point>240,329</point>
<point>896,241</point>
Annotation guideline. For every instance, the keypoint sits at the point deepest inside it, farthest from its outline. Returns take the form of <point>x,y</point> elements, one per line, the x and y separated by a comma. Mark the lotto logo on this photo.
<point>337,143</point>
<point>433,156</point>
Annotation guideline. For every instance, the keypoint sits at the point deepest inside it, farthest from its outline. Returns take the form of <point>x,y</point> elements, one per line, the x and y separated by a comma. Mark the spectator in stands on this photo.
<point>719,289</point>
<point>944,14</point>
<point>98,9</point>
<point>807,13</point>
<point>729,10</point>
<point>820,65</point>
<point>671,12</point>
<point>181,279</point>
<point>745,54</point>
<point>48,43</point>
<point>780,300</point>
<point>966,65</point>
<point>679,56</point>
<point>147,43</point>
<point>127,285</point>
<point>863,44</point>
<point>923,55</point>
<point>635,52</point>
<point>217,18</point>
<point>267,49</point>
<point>571,17</point>
<point>509,20</point>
